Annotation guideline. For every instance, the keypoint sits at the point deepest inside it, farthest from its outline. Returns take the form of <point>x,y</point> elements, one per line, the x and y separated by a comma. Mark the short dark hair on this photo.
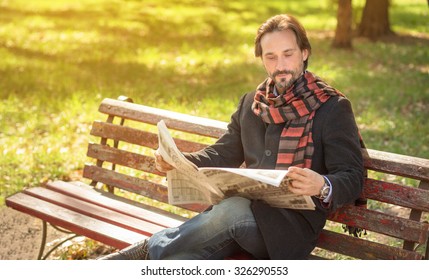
<point>279,23</point>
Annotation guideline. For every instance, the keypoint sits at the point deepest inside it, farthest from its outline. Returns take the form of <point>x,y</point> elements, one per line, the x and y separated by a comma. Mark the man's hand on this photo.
<point>305,181</point>
<point>160,164</point>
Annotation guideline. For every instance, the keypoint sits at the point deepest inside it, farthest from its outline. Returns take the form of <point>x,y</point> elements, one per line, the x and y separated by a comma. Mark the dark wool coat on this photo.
<point>292,234</point>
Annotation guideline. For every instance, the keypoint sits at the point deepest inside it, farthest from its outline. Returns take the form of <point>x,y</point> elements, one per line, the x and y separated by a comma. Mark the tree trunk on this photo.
<point>375,19</point>
<point>343,33</point>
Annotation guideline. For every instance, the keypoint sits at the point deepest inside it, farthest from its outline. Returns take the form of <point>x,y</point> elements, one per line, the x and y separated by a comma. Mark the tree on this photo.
<point>375,19</point>
<point>343,33</point>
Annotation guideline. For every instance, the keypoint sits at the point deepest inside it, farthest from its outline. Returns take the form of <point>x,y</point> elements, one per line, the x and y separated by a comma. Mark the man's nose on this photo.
<point>281,64</point>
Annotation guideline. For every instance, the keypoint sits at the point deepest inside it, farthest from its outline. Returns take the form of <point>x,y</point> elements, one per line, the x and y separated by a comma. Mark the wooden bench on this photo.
<point>125,198</point>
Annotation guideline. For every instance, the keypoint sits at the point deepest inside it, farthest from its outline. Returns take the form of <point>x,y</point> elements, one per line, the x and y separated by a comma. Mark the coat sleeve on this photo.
<point>343,154</point>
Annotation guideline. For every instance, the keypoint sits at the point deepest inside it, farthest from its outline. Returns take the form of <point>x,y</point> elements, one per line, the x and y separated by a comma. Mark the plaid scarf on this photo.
<point>296,108</point>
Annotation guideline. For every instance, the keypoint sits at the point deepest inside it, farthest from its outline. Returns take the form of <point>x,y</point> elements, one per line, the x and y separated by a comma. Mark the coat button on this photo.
<point>268,153</point>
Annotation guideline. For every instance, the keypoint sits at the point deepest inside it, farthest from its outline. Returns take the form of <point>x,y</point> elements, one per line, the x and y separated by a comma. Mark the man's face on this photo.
<point>283,60</point>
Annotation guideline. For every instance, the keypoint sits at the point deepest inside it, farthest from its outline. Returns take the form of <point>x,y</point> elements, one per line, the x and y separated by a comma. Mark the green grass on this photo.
<point>59,59</point>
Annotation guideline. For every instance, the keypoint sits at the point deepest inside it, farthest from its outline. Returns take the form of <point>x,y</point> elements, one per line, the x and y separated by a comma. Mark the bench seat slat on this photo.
<point>362,249</point>
<point>118,204</point>
<point>145,114</point>
<point>95,211</point>
<point>382,223</point>
<point>410,197</point>
<point>83,225</point>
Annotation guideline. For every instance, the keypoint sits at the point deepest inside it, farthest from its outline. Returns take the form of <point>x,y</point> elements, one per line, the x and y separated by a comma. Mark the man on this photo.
<point>292,121</point>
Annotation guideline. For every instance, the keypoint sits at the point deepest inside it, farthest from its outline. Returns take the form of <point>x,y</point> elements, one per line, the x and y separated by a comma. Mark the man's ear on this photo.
<point>304,55</point>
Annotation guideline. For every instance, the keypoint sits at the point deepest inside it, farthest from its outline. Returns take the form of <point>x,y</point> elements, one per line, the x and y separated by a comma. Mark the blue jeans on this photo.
<point>220,232</point>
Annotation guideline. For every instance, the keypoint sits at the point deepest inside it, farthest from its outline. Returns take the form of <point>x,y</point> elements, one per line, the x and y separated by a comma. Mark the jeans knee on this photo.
<point>233,210</point>
<point>236,202</point>
<point>236,206</point>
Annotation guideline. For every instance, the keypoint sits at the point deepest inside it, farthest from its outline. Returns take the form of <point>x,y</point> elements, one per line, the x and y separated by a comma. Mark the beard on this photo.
<point>283,83</point>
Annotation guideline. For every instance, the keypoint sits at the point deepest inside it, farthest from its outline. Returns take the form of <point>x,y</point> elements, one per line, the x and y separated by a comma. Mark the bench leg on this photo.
<point>427,250</point>
<point>136,251</point>
<point>44,236</point>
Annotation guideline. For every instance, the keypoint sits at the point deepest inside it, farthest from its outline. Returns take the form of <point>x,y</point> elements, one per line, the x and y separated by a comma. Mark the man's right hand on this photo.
<point>160,164</point>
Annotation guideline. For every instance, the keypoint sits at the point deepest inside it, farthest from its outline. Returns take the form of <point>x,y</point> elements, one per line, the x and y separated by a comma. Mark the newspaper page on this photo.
<point>208,185</point>
<point>269,185</point>
<point>186,185</point>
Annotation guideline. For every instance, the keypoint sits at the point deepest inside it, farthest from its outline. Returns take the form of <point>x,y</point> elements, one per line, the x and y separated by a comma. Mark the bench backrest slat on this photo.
<point>410,197</point>
<point>121,157</point>
<point>382,223</point>
<point>127,182</point>
<point>124,133</point>
<point>182,122</point>
<point>411,167</point>
<point>147,188</point>
<point>138,137</point>
<point>362,249</point>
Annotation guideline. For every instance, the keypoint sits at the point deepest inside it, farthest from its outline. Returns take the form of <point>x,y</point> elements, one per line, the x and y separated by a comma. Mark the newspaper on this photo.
<point>189,184</point>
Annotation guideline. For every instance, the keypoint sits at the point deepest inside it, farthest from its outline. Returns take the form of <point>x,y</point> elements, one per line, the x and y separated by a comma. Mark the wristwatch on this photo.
<point>324,192</point>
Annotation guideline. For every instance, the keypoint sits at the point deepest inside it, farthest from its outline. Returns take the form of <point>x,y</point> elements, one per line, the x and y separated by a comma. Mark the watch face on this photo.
<point>325,191</point>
